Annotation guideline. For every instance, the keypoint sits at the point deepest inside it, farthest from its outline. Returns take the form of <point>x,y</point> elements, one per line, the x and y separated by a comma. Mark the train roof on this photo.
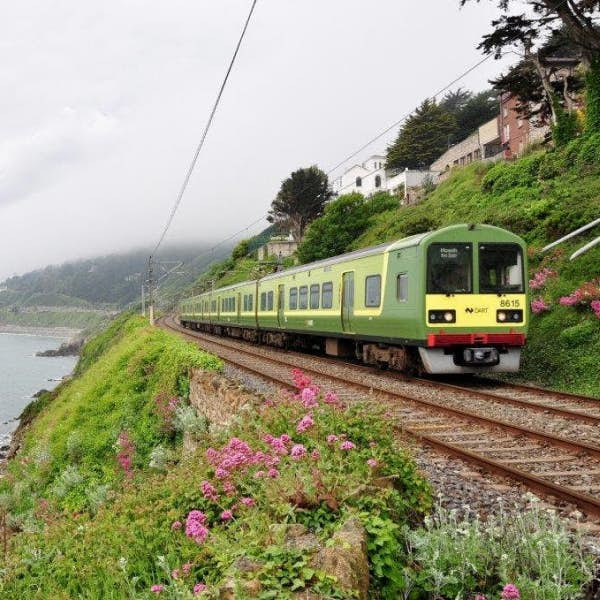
<point>413,240</point>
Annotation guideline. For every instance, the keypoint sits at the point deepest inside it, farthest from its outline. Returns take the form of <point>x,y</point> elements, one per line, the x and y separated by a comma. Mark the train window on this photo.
<point>303,299</point>
<point>293,298</point>
<point>327,295</point>
<point>263,301</point>
<point>213,306</point>
<point>402,287</point>
<point>373,290</point>
<point>500,269</point>
<point>314,295</point>
<point>250,301</point>
<point>233,304</point>
<point>270,301</point>
<point>449,268</point>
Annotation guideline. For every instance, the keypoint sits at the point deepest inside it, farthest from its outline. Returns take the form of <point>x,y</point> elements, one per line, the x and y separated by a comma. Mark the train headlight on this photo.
<point>441,316</point>
<point>512,316</point>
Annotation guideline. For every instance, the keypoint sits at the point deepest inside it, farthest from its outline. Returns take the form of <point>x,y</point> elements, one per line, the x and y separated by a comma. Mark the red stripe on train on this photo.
<point>435,340</point>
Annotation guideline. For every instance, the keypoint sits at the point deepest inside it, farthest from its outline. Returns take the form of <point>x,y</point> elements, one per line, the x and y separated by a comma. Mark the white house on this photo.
<point>371,177</point>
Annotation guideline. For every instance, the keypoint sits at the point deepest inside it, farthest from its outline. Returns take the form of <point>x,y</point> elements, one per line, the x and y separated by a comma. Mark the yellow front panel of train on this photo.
<point>476,310</point>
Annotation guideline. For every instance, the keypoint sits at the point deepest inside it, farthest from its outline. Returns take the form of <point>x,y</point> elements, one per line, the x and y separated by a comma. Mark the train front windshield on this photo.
<point>500,269</point>
<point>450,268</point>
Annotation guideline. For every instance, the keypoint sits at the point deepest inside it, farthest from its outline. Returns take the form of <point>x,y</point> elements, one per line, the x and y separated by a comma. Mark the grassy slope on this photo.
<point>86,530</point>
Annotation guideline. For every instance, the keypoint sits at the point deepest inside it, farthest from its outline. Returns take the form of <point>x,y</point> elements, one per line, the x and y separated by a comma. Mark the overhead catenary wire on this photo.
<point>205,132</point>
<point>370,142</point>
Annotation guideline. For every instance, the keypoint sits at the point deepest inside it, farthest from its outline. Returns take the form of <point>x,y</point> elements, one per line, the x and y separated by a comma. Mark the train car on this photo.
<point>447,301</point>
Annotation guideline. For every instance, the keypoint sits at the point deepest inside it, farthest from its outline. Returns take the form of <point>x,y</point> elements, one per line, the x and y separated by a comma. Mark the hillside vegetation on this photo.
<point>542,196</point>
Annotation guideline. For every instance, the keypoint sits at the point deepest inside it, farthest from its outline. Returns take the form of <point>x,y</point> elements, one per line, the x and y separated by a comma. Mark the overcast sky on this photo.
<point>103,103</point>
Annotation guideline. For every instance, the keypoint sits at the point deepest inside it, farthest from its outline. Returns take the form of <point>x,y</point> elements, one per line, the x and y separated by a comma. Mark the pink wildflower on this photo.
<point>315,454</point>
<point>511,592</point>
<point>126,453</point>
<point>308,397</point>
<point>332,438</point>
<point>539,278</point>
<point>247,501</point>
<point>199,588</point>
<point>211,454</point>
<point>331,398</point>
<point>285,438</point>
<point>298,452</point>
<point>372,463</point>
<point>226,515</point>
<point>175,573</point>
<point>305,423</point>
<point>259,474</point>
<point>221,473</point>
<point>273,473</point>
<point>195,526</point>
<point>301,380</point>
<point>538,305</point>
<point>208,491</point>
<point>347,445</point>
<point>176,525</point>
<point>229,488</point>
<point>595,306</point>
<point>480,597</point>
<point>157,588</point>
<point>186,568</point>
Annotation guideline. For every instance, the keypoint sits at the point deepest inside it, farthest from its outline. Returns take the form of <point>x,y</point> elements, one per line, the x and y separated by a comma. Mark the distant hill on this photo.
<point>107,283</point>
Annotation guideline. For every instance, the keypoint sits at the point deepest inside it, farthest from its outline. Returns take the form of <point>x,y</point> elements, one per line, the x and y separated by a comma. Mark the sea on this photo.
<point>22,374</point>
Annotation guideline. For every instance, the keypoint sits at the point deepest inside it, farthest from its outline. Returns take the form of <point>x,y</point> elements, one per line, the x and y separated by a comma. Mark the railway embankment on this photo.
<point>152,473</point>
<point>541,197</point>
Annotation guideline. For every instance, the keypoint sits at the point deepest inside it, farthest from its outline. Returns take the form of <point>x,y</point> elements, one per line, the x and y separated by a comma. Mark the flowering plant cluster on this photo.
<point>305,454</point>
<point>541,277</point>
<point>587,294</point>
<point>539,305</point>
<point>125,453</point>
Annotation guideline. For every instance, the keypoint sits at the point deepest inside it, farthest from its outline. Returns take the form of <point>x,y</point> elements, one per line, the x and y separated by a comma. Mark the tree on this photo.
<point>543,19</point>
<point>300,199</point>
<point>470,110</point>
<point>343,220</point>
<point>423,137</point>
<point>545,93</point>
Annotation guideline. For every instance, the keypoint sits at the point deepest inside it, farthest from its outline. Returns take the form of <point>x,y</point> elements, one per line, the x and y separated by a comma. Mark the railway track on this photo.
<point>442,416</point>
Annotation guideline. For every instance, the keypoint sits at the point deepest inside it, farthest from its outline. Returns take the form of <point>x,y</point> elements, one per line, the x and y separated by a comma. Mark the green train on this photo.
<point>447,301</point>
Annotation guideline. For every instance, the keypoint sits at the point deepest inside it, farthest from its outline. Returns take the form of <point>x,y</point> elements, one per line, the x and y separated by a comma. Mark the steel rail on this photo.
<point>586,502</point>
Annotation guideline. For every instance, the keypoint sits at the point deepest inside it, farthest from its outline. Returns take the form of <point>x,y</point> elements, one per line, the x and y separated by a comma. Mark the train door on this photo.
<point>280,305</point>
<point>239,307</point>
<point>218,308</point>
<point>347,301</point>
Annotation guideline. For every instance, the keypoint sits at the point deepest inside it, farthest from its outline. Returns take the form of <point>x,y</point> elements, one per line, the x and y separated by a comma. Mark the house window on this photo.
<point>377,181</point>
<point>359,182</point>
<point>507,132</point>
<point>303,297</point>
<point>327,297</point>
<point>373,290</point>
<point>270,301</point>
<point>314,295</point>
<point>263,301</point>
<point>505,111</point>
<point>293,298</point>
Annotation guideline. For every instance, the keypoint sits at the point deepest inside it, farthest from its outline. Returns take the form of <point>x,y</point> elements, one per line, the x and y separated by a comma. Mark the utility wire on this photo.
<point>205,132</point>
<point>366,145</point>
